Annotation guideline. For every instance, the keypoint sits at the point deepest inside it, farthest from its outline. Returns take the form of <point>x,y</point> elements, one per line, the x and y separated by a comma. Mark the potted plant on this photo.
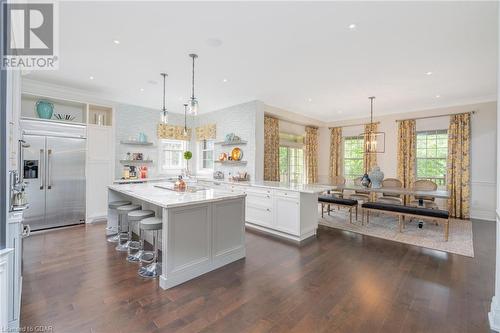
<point>187,156</point>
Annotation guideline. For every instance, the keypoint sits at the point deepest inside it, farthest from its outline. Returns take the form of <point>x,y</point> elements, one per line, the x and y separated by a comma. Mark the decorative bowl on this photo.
<point>236,154</point>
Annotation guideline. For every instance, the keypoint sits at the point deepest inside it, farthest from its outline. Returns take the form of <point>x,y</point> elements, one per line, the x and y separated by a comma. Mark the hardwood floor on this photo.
<point>75,281</point>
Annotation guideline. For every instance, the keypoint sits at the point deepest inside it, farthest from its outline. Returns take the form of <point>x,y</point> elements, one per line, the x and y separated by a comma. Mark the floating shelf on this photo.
<point>231,143</point>
<point>135,161</point>
<point>136,143</point>
<point>232,162</point>
<point>53,121</point>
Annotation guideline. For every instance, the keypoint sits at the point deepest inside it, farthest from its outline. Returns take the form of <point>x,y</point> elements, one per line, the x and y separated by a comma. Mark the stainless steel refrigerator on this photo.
<point>54,170</point>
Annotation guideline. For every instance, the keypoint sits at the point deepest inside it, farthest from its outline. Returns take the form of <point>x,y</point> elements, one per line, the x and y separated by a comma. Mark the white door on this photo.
<point>287,215</point>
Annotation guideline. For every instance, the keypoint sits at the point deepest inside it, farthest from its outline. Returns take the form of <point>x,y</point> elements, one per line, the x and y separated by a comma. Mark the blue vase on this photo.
<point>44,109</point>
<point>365,181</point>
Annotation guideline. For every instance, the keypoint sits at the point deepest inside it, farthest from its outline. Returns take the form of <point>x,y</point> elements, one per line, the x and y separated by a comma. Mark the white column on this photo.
<point>494,315</point>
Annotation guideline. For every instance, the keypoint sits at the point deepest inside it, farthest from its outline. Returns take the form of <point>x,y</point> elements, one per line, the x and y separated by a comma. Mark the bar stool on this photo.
<point>122,215</point>
<point>153,268</point>
<point>137,246</point>
<point>114,205</point>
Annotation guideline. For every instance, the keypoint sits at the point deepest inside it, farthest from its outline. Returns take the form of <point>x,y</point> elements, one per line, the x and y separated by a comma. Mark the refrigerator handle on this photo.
<point>49,169</point>
<point>41,173</point>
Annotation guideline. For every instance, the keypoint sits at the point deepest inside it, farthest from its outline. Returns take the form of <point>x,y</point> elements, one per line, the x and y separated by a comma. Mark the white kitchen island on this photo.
<point>202,230</point>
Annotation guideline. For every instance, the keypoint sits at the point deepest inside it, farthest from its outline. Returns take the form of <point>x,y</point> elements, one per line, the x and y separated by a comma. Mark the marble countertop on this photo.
<point>305,188</point>
<point>148,192</point>
<point>140,180</point>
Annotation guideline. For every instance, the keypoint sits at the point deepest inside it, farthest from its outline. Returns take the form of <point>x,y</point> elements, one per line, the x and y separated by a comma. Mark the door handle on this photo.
<point>49,169</point>
<point>41,172</point>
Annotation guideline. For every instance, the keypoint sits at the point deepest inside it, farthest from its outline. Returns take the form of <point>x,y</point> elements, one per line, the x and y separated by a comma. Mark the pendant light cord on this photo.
<point>185,117</point>
<point>192,84</point>
<point>194,56</point>
<point>164,100</point>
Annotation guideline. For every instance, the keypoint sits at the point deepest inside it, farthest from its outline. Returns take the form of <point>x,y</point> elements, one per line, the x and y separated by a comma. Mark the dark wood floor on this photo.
<point>342,282</point>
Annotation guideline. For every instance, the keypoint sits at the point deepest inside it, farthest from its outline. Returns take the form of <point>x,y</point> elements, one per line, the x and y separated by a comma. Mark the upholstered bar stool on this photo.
<point>114,238</point>
<point>150,267</point>
<point>136,248</point>
<point>122,217</point>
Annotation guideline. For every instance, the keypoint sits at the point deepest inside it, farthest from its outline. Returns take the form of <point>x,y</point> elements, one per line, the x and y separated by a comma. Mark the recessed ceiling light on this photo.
<point>352,26</point>
<point>438,96</point>
<point>91,77</point>
<point>142,89</point>
<point>214,42</point>
<point>224,80</point>
<point>309,100</point>
<point>116,41</point>
<point>428,73</point>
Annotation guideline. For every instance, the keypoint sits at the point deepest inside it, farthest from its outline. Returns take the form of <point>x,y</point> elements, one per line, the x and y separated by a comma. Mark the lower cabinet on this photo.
<point>284,213</point>
<point>287,215</point>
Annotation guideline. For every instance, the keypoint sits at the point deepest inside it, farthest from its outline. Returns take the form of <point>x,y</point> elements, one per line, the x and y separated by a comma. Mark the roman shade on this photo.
<point>172,132</point>
<point>206,132</point>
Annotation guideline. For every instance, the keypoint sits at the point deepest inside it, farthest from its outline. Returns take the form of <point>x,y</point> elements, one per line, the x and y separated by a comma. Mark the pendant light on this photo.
<point>193,103</point>
<point>164,112</point>
<point>374,142</point>
<point>185,132</point>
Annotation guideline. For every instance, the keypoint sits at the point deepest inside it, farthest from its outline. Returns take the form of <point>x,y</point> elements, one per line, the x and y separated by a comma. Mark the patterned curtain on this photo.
<point>458,175</point>
<point>271,149</point>
<point>335,152</point>
<point>407,150</point>
<point>311,143</point>
<point>172,132</point>
<point>206,132</point>
<point>369,160</point>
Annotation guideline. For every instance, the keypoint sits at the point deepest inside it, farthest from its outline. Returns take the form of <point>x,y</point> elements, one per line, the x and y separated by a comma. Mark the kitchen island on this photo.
<point>286,210</point>
<point>202,230</point>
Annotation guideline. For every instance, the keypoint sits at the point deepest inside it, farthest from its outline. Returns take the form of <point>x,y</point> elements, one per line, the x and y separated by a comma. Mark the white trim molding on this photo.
<point>4,293</point>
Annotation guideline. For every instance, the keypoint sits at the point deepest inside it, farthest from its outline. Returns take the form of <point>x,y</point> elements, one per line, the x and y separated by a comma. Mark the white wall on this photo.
<point>130,121</point>
<point>246,121</point>
<point>483,149</point>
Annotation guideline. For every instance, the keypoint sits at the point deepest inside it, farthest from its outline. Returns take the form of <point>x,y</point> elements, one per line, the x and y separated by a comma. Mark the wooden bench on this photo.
<point>339,202</point>
<point>405,211</point>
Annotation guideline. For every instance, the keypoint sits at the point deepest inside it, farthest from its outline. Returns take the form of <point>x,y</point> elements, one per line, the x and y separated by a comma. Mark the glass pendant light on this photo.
<point>193,103</point>
<point>374,142</point>
<point>185,132</point>
<point>164,112</point>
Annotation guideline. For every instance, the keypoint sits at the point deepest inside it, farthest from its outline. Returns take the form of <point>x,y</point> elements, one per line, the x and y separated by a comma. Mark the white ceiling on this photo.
<point>301,57</point>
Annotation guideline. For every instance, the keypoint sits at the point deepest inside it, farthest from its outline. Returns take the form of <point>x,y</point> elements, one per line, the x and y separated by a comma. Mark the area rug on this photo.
<point>430,236</point>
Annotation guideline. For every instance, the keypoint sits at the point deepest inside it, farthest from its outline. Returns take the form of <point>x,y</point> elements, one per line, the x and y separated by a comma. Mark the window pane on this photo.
<point>432,153</point>
<point>353,157</point>
<point>291,164</point>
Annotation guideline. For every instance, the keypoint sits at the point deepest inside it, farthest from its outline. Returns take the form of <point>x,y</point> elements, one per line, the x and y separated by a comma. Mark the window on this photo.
<point>353,157</point>
<point>206,149</point>
<point>171,153</point>
<point>291,164</point>
<point>432,154</point>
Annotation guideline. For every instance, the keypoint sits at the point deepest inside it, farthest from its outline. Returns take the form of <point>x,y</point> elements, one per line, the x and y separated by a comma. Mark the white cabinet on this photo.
<point>99,173</point>
<point>287,214</point>
<point>14,241</point>
<point>281,212</point>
